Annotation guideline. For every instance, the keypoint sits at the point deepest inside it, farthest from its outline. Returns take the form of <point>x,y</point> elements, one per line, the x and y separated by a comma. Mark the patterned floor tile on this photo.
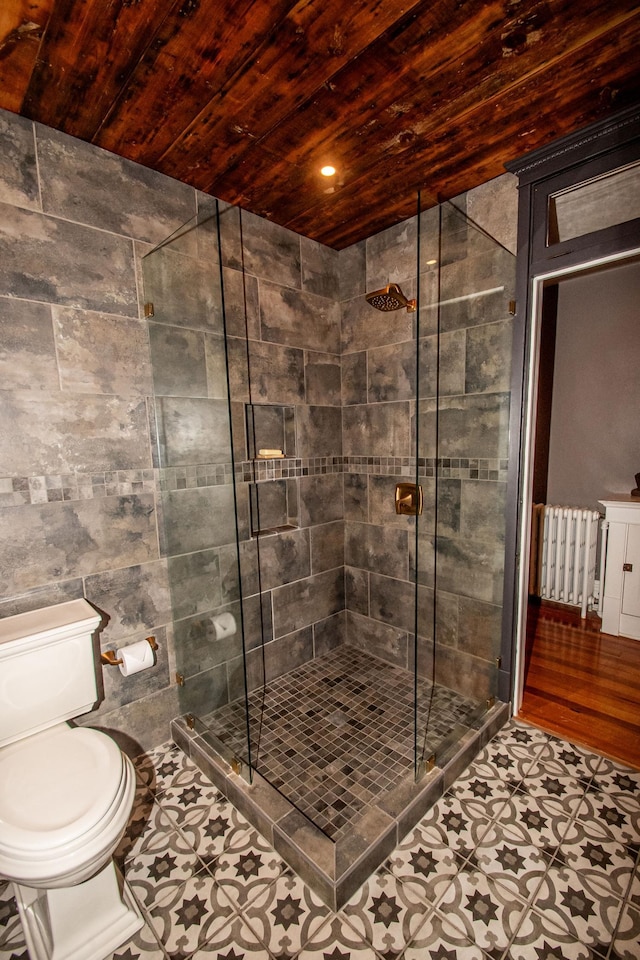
<point>233,941</point>
<point>534,822</point>
<point>562,899</point>
<point>213,830</point>
<point>171,860</point>
<point>539,939</point>
<point>144,946</point>
<point>570,759</point>
<point>426,861</point>
<point>619,813</point>
<point>11,936</point>
<point>437,939</point>
<point>626,945</point>
<point>455,824</point>
<point>247,866</point>
<point>386,912</point>
<point>286,915</point>
<point>619,780</point>
<point>604,864</point>
<point>483,910</point>
<point>165,766</point>
<point>190,914</point>
<point>481,791</point>
<point>149,829</point>
<point>336,940</point>
<point>515,865</point>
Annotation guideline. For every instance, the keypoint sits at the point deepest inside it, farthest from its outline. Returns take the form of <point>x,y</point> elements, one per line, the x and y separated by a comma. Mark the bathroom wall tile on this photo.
<point>193,430</point>
<point>130,599</point>
<point>299,319</point>
<point>483,510</point>
<point>357,590</point>
<point>216,366</point>
<point>230,228</point>
<point>479,628</point>
<point>198,518</point>
<point>241,304</point>
<point>83,183</point>
<point>273,504</point>
<point>354,378</point>
<point>488,358</point>
<point>319,431</point>
<point>185,292</point>
<point>379,549</point>
<point>247,552</point>
<point>238,371</point>
<point>471,568</point>
<point>377,639</point>
<point>430,236</point>
<point>476,310</point>
<point>320,269</point>
<point>364,327</point>
<point>58,541</point>
<point>352,269</point>
<point>443,375</point>
<point>449,505</point>
<point>381,429</point>
<point>320,499</point>
<point>391,255</point>
<point>356,496</point>
<point>28,357</point>
<point>287,653</point>
<point>239,431</point>
<point>118,690</point>
<point>382,501</point>
<point>322,374</point>
<point>392,372</point>
<point>179,361</point>
<point>277,373</point>
<point>202,690</point>
<point>195,582</point>
<point>327,546</point>
<point>257,620</point>
<point>470,676</point>
<point>99,353</point>
<point>42,596</point>
<point>88,434</point>
<point>270,250</point>
<point>494,207</point>
<point>66,254</point>
<point>284,558</point>
<point>393,601</point>
<point>142,724</point>
<point>475,426</point>
<point>197,648</point>
<point>329,634</point>
<point>298,604</point>
<point>18,170</point>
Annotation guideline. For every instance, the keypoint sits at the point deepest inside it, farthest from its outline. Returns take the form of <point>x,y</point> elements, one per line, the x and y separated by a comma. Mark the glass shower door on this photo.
<point>194,457</point>
<point>467,284</point>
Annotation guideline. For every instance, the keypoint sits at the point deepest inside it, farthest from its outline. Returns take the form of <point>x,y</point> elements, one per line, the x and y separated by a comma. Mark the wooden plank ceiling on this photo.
<point>247,99</point>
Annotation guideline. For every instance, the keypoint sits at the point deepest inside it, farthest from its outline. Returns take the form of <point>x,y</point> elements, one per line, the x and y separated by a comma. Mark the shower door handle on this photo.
<point>409,499</point>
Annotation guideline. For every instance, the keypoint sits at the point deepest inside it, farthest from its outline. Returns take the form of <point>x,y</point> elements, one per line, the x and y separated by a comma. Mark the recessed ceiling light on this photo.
<point>328,171</point>
<point>430,263</point>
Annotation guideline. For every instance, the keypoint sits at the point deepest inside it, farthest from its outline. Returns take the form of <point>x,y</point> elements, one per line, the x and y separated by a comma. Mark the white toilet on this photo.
<point>66,792</point>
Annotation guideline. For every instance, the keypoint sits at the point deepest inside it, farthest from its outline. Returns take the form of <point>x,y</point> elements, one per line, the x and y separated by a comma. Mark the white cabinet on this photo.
<point>621,587</point>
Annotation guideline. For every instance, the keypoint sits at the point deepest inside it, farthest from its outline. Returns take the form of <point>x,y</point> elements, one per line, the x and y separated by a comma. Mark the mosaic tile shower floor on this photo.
<point>532,854</point>
<point>334,734</point>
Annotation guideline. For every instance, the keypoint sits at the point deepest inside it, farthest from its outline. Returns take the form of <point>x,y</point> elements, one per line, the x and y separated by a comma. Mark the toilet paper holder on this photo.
<point>110,657</point>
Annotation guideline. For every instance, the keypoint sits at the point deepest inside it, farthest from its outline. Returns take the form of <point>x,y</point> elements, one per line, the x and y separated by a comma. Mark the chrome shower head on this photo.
<point>390,297</point>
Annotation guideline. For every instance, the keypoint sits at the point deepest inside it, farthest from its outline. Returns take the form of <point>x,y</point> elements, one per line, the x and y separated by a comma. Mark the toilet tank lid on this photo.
<point>49,623</point>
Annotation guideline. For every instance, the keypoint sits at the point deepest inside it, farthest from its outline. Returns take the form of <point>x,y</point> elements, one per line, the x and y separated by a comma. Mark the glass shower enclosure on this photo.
<point>401,661</point>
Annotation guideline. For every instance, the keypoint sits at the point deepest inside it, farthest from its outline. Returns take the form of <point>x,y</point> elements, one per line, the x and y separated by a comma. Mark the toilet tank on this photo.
<point>47,670</point>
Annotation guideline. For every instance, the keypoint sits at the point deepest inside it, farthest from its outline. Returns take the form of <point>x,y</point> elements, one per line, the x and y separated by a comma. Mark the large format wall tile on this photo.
<point>320,499</point>
<point>276,372</point>
<point>63,434</point>
<point>392,372</point>
<point>131,599</point>
<point>198,518</point>
<point>28,355</point>
<point>299,319</point>
<point>18,172</point>
<point>99,353</point>
<point>322,376</point>
<point>116,194</point>
<point>54,541</point>
<point>270,250</point>
<point>54,261</point>
<point>295,605</point>
<point>378,639</point>
<point>284,558</point>
<point>488,358</point>
<point>178,359</point>
<point>185,292</point>
<point>327,546</point>
<point>379,549</point>
<point>319,431</point>
<point>320,269</point>
<point>364,327</point>
<point>381,429</point>
<point>391,255</point>
<point>473,426</point>
<point>193,430</point>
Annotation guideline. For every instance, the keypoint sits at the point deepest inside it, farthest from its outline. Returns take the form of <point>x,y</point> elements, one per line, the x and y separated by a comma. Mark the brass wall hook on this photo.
<point>110,657</point>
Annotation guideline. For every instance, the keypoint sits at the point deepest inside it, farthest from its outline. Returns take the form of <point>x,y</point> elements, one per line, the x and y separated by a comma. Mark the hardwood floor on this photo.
<point>582,684</point>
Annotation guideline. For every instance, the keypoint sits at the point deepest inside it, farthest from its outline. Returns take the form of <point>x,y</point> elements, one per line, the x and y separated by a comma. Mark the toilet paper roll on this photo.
<point>224,625</point>
<point>135,657</point>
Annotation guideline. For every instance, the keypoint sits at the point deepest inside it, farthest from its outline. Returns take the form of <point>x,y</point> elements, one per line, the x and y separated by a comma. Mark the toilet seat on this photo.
<point>65,798</point>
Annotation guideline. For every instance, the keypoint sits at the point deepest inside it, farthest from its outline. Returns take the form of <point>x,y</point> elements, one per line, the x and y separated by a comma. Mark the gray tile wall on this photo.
<point>83,509</point>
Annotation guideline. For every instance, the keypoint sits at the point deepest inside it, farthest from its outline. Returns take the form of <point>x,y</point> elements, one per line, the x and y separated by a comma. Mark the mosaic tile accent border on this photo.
<point>19,491</point>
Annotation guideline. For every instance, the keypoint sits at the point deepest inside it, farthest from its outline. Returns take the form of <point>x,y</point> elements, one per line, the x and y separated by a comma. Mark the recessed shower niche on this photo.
<point>271,439</point>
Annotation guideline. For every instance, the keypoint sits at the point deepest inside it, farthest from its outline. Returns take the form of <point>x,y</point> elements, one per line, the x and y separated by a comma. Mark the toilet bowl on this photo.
<point>66,792</point>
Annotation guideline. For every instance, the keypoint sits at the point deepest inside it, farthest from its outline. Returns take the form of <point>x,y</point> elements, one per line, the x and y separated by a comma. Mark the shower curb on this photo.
<point>334,870</point>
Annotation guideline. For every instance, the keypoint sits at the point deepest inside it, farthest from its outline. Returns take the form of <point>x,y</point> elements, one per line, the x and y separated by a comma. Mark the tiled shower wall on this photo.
<point>80,494</point>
